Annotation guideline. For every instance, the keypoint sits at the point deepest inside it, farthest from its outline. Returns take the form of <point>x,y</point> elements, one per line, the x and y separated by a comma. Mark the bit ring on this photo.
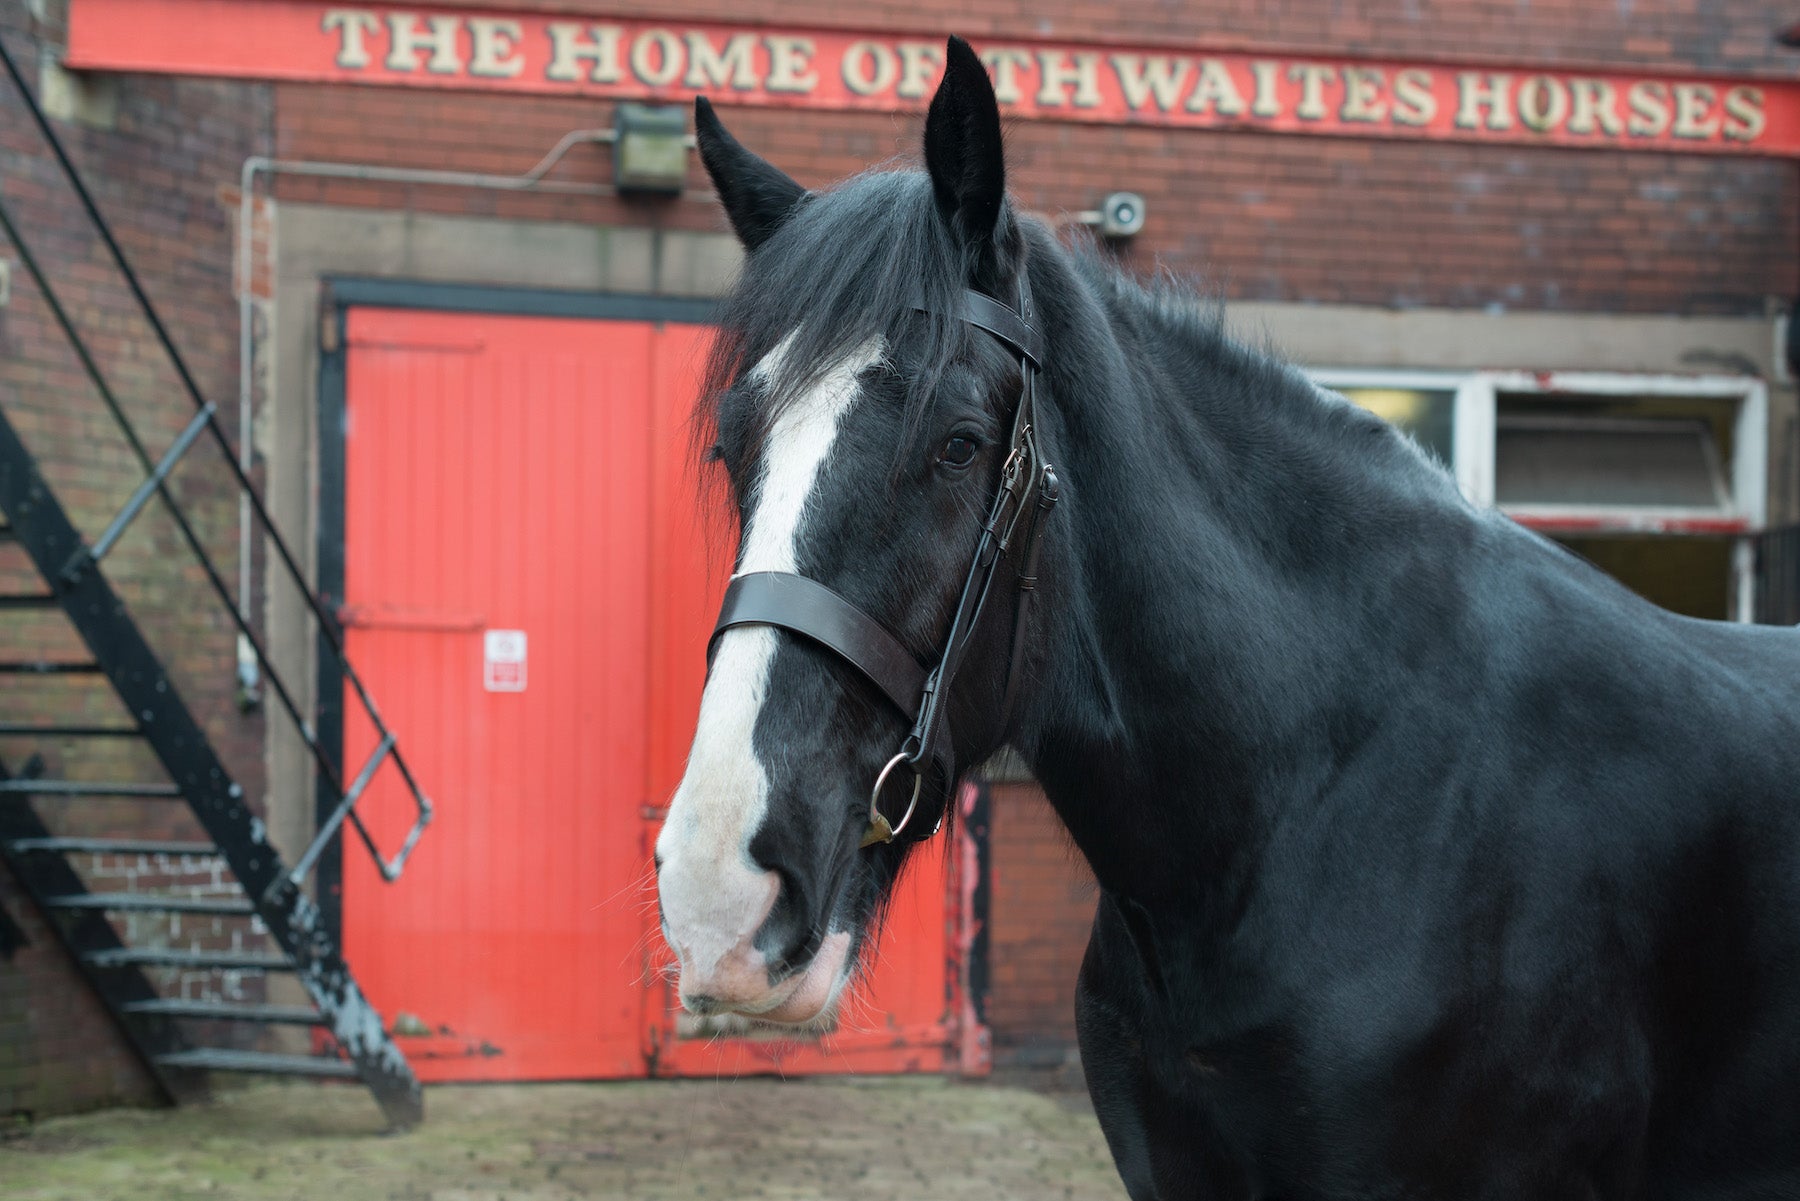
<point>876,817</point>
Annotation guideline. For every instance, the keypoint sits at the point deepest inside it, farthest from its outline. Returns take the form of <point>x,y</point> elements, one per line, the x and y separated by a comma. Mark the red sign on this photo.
<point>671,60</point>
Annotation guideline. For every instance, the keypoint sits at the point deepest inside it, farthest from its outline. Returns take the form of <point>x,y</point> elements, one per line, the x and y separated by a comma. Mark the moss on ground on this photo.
<point>875,1139</point>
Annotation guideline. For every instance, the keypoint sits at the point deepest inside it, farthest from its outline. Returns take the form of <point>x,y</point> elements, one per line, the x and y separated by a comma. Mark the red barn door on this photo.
<point>496,480</point>
<point>529,585</point>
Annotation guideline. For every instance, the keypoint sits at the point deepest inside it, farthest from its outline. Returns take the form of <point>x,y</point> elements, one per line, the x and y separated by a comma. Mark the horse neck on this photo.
<point>1211,603</point>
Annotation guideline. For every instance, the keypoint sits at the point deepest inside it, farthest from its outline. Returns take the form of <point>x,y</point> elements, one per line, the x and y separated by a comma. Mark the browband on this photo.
<point>989,314</point>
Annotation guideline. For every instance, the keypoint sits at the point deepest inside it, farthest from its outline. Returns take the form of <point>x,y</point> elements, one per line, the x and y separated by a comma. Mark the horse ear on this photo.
<point>757,195</point>
<point>962,145</point>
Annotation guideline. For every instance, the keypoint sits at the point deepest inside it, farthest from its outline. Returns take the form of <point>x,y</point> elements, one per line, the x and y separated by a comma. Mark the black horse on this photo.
<point>1434,863</point>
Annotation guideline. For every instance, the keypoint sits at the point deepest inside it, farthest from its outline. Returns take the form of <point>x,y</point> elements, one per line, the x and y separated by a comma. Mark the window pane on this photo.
<point>1659,463</point>
<point>1686,575</point>
<point>1424,415</point>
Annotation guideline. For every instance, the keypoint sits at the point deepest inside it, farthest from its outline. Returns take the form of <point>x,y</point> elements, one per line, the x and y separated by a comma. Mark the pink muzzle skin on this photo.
<point>738,982</point>
<point>711,917</point>
<point>815,990</point>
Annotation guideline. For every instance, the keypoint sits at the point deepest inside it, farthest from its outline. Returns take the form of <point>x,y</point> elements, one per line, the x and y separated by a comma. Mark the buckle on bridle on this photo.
<point>1015,462</point>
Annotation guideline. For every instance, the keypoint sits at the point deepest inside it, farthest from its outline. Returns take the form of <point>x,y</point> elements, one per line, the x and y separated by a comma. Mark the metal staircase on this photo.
<point>261,920</point>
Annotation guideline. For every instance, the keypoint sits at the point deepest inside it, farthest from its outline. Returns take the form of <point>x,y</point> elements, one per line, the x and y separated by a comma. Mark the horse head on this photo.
<point>865,428</point>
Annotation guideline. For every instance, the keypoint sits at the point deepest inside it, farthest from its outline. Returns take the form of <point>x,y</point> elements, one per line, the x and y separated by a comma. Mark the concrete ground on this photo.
<point>870,1139</point>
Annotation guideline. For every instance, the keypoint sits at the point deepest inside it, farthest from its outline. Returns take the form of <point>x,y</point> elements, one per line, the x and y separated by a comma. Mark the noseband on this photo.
<point>805,606</point>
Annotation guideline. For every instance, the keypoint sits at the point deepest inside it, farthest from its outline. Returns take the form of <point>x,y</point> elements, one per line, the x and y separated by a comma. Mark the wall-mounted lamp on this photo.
<point>1120,215</point>
<point>650,149</point>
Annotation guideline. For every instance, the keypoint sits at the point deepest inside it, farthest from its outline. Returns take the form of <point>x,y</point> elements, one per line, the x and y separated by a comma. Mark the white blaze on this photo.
<point>714,896</point>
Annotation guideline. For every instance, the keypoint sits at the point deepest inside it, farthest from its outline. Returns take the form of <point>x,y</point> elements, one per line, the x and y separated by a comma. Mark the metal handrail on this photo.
<point>156,481</point>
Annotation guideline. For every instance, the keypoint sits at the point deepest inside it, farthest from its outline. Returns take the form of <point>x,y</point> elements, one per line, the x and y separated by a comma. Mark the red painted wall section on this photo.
<point>535,475</point>
<point>1042,909</point>
<point>667,60</point>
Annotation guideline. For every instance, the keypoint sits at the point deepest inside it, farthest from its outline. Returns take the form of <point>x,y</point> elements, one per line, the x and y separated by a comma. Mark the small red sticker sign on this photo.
<point>503,660</point>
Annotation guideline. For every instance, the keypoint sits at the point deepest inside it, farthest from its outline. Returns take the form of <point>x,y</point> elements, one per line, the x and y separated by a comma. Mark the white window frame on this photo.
<point>1746,473</point>
<point>1471,418</point>
<point>1473,427</point>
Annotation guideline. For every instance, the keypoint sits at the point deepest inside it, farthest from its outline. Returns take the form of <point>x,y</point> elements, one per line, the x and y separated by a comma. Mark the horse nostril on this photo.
<point>796,961</point>
<point>783,938</point>
<point>793,954</point>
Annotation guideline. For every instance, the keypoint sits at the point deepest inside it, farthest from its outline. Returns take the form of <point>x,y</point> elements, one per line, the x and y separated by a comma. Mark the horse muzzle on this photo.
<point>712,918</point>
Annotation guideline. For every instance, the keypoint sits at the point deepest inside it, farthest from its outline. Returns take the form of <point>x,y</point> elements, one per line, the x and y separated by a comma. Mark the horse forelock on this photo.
<point>851,264</point>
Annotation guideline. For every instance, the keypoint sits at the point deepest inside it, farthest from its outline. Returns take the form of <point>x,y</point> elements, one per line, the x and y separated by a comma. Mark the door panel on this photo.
<point>496,479</point>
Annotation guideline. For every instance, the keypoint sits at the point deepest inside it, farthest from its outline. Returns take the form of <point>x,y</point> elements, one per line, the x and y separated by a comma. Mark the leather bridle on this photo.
<point>805,606</point>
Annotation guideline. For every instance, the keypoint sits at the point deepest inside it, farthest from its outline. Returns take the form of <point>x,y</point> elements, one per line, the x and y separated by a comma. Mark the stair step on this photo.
<point>24,729</point>
<point>109,846</point>
<point>296,1015</point>
<point>87,788</point>
<point>219,1060</point>
<point>153,957</point>
<point>147,902</point>
<point>27,600</point>
<point>48,667</point>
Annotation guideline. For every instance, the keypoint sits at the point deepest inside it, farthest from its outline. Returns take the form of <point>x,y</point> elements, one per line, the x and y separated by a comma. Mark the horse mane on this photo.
<point>1248,385</point>
<point>855,262</point>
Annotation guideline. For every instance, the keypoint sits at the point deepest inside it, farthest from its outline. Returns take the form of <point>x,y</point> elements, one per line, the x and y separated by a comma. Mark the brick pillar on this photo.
<point>1042,907</point>
<point>59,1050</point>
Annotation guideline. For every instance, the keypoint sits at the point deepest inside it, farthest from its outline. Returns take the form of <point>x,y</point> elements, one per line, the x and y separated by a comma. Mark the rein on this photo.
<point>805,606</point>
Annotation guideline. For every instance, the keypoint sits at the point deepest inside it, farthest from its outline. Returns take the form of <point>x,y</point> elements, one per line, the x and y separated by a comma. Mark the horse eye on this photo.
<point>958,452</point>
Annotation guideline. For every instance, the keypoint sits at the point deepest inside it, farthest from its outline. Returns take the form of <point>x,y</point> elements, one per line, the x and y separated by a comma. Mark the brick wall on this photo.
<point>160,155</point>
<point>1254,216</point>
<point>59,1050</point>
<point>1041,906</point>
<point>199,876</point>
<point>160,172</point>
